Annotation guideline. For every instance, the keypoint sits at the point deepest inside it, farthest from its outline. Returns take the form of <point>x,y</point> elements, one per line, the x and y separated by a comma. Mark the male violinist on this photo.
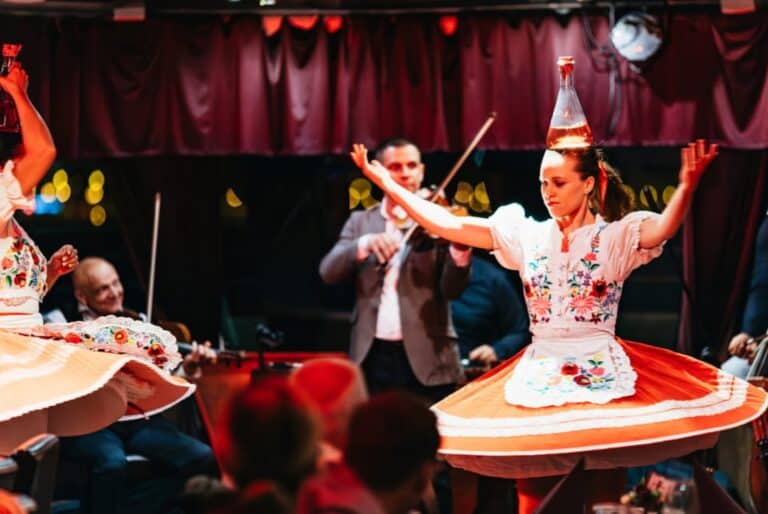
<point>402,333</point>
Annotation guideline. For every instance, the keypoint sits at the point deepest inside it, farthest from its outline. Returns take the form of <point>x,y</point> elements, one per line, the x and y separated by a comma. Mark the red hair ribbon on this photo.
<point>602,184</point>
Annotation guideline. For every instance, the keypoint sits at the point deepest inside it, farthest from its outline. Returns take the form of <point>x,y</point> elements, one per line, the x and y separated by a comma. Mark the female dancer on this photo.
<point>578,391</point>
<point>52,384</point>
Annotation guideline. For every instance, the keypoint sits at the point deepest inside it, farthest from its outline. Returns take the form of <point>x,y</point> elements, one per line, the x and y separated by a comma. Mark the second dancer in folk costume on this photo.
<point>579,391</point>
<point>49,382</point>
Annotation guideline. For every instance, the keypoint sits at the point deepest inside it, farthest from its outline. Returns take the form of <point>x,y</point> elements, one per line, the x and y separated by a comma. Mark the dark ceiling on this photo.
<point>107,7</point>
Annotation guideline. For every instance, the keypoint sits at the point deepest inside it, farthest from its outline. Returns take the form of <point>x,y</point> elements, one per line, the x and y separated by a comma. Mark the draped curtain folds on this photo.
<point>205,86</point>
<point>209,86</point>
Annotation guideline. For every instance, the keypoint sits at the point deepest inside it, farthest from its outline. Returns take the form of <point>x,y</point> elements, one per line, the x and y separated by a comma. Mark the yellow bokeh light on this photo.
<point>463,193</point>
<point>48,192</point>
<point>63,192</point>
<point>60,178</point>
<point>97,215</point>
<point>476,205</point>
<point>362,185</point>
<point>94,196</point>
<point>482,194</point>
<point>645,192</point>
<point>360,193</point>
<point>667,194</point>
<point>232,199</point>
<point>96,179</point>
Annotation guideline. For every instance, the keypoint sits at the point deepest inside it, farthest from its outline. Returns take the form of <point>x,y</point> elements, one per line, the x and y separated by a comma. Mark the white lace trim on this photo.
<point>731,393</point>
<point>526,387</point>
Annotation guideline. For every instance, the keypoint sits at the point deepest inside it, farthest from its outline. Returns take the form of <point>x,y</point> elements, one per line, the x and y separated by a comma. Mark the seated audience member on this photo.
<point>755,319</point>
<point>489,316</point>
<point>173,455</point>
<point>333,388</point>
<point>99,290</point>
<point>269,445</point>
<point>388,463</point>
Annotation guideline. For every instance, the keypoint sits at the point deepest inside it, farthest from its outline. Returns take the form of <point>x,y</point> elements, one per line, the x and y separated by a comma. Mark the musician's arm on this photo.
<point>743,345</point>
<point>456,271</point>
<point>191,366</point>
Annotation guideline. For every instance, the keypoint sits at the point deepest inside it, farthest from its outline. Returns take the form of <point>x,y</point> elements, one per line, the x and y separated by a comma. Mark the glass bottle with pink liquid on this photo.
<point>568,127</point>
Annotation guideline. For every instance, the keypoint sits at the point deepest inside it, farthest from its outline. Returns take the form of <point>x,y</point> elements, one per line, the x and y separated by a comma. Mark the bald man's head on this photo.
<point>98,286</point>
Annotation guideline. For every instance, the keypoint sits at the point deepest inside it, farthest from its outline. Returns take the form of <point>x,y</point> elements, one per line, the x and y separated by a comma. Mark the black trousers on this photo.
<point>386,368</point>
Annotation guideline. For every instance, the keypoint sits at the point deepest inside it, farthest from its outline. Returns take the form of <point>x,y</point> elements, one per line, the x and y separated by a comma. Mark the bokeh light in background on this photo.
<point>96,179</point>
<point>48,192</point>
<point>232,199</point>
<point>476,198</point>
<point>360,194</point>
<point>97,215</point>
<point>94,196</point>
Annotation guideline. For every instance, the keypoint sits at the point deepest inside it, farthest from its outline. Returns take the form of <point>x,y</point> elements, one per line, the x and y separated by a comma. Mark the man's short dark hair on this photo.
<point>390,438</point>
<point>393,142</point>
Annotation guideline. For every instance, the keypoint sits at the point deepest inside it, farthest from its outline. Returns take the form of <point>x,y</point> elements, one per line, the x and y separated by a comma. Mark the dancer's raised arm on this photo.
<point>695,158</point>
<point>37,151</point>
<point>467,230</point>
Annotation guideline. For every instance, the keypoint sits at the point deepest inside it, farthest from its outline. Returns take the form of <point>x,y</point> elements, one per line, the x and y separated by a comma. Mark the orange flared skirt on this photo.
<point>680,405</point>
<point>60,388</point>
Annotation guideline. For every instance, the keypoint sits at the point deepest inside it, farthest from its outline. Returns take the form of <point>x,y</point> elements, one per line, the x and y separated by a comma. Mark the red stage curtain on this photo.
<point>718,245</point>
<point>199,86</point>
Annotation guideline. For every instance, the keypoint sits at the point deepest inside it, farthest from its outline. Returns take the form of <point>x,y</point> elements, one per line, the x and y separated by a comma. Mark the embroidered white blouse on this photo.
<point>572,299</point>
<point>22,264</point>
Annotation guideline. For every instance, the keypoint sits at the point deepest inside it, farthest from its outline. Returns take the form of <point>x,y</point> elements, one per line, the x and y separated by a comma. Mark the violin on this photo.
<point>427,193</point>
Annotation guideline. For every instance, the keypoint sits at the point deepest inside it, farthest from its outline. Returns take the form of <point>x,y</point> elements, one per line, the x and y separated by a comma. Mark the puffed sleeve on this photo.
<point>623,242</point>
<point>11,197</point>
<point>508,227</point>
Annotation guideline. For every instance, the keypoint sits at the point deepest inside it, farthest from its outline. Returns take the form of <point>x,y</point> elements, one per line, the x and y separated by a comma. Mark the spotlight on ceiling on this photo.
<point>637,36</point>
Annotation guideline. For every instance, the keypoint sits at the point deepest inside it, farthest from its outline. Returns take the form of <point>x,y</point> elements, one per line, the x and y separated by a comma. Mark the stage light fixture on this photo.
<point>637,36</point>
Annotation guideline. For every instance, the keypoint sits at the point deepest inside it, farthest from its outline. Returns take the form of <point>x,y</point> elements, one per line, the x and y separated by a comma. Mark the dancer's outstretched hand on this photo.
<point>694,160</point>
<point>373,169</point>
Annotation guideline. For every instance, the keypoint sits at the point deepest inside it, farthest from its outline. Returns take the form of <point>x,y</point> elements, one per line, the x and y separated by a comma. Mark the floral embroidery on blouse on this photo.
<point>591,299</point>
<point>538,293</point>
<point>23,265</point>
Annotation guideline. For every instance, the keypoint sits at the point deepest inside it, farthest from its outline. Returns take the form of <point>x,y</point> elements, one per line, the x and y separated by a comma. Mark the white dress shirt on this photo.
<point>388,326</point>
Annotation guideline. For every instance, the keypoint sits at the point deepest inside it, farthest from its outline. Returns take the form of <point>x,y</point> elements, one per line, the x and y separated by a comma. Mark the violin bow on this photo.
<point>153,259</point>
<point>437,192</point>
